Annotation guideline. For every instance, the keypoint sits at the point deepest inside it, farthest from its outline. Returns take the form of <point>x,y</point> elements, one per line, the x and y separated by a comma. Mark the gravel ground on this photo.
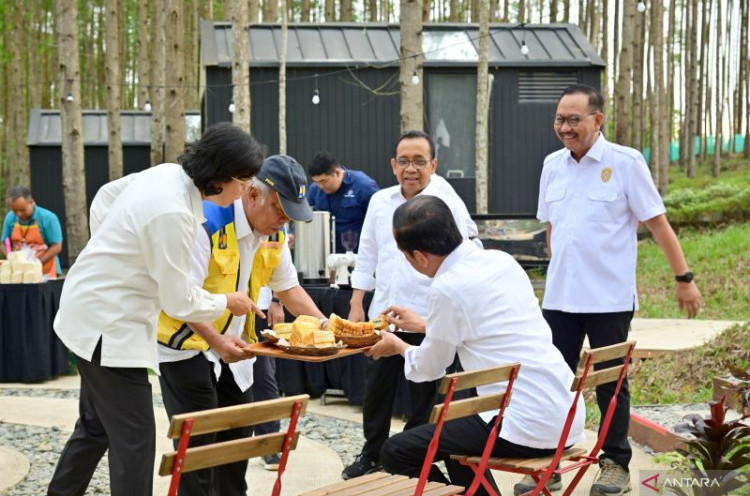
<point>42,445</point>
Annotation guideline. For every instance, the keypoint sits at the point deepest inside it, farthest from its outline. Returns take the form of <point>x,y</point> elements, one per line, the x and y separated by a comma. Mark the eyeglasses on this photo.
<point>244,182</point>
<point>418,163</point>
<point>572,120</point>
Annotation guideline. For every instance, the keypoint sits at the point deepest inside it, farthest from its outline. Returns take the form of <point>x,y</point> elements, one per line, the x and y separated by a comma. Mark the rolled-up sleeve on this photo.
<point>170,265</point>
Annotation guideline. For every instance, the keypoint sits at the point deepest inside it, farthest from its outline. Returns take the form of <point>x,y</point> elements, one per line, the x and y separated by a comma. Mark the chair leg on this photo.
<point>187,429</point>
<point>296,409</point>
<point>576,480</point>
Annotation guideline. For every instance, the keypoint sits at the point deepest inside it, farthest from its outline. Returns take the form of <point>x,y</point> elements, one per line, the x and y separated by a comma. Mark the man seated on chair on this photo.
<point>481,307</point>
<point>240,248</point>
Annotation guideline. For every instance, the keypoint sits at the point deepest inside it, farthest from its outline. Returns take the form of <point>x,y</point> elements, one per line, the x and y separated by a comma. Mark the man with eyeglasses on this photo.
<point>592,195</point>
<point>382,267</point>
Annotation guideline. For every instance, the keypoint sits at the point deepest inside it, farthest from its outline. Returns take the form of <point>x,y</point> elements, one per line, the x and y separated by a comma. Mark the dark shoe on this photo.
<point>612,480</point>
<point>527,484</point>
<point>271,462</point>
<point>361,466</point>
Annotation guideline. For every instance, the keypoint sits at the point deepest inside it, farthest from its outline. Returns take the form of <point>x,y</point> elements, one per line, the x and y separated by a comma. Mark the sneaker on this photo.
<point>271,462</point>
<point>361,466</point>
<point>528,483</point>
<point>612,480</point>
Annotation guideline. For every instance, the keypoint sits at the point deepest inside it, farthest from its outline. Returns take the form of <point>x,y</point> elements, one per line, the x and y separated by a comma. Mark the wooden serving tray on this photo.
<point>267,349</point>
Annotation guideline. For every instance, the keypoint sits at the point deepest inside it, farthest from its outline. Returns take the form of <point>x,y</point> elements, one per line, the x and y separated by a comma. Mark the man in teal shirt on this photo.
<point>29,224</point>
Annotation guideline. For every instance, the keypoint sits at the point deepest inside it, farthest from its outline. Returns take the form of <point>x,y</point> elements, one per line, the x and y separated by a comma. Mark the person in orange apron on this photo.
<point>28,224</point>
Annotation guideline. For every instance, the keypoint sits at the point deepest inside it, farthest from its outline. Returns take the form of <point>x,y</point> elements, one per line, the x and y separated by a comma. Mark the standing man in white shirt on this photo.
<point>592,195</point>
<point>204,364</point>
<point>481,307</point>
<point>137,262</point>
<point>382,267</point>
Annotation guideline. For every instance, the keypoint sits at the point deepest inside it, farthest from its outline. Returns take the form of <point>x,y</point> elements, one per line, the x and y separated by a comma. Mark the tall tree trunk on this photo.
<point>686,80</point>
<point>746,20</point>
<point>372,10</point>
<point>144,74</point>
<point>253,11</point>
<point>636,139</point>
<point>592,22</point>
<point>506,10</point>
<point>474,10</point>
<point>521,11</point>
<point>190,53</point>
<point>553,10</point>
<point>743,79</point>
<point>566,11</point>
<point>385,10</point>
<point>494,5</point>
<point>330,11</point>
<point>74,177</point>
<point>20,156</point>
<point>728,69</point>
<point>100,84</point>
<point>624,78</point>
<point>114,137</point>
<point>282,79</point>
<point>716,162</point>
<point>659,159</point>
<point>240,65</point>
<point>271,10</point>
<point>411,114</point>
<point>669,103</point>
<point>582,20</point>
<point>157,67</point>
<point>703,86</point>
<point>605,53</point>
<point>693,102</point>
<point>483,105</point>
<point>455,14</point>
<point>346,10</point>
<point>616,49</point>
<point>174,115</point>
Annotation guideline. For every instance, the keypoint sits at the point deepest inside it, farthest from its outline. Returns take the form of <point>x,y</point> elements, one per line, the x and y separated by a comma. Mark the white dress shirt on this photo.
<point>284,277</point>
<point>594,207</point>
<point>135,264</point>
<point>380,264</point>
<point>482,306</point>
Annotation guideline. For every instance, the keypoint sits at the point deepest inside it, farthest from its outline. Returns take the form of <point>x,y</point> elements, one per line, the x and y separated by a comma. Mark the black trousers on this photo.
<point>264,383</point>
<point>189,386</point>
<point>404,453</point>
<point>380,394</point>
<point>115,412</point>
<point>603,329</point>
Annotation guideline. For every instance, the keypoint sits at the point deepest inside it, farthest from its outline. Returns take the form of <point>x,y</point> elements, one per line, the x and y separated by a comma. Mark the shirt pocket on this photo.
<point>227,260</point>
<point>553,197</point>
<point>601,204</point>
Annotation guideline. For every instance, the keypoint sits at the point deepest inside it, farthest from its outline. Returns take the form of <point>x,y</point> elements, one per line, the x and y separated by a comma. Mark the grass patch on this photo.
<point>686,377</point>
<point>719,258</point>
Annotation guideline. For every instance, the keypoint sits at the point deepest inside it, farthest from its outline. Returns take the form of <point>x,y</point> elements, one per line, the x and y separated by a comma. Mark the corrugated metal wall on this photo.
<point>46,176</point>
<point>356,125</point>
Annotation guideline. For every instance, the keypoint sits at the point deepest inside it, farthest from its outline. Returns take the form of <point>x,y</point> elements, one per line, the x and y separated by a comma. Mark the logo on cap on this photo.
<point>302,191</point>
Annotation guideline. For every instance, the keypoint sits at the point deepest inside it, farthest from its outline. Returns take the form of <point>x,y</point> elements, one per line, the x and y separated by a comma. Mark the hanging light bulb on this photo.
<point>69,98</point>
<point>147,107</point>
<point>415,78</point>
<point>524,48</point>
<point>641,6</point>
<point>231,106</point>
<point>316,97</point>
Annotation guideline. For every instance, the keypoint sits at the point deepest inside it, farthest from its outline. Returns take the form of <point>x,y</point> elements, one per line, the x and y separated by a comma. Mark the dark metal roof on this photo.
<point>45,127</point>
<point>346,44</point>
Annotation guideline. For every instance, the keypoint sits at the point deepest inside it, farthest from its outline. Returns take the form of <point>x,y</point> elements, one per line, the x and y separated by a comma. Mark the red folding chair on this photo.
<point>541,469</point>
<point>381,483</point>
<point>220,453</point>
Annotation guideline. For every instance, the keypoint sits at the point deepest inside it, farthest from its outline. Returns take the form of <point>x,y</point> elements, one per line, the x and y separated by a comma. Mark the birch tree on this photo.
<point>74,177</point>
<point>411,115</point>
<point>240,65</point>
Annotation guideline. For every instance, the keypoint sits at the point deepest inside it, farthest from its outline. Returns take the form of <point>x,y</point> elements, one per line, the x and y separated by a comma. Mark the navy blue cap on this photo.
<point>286,176</point>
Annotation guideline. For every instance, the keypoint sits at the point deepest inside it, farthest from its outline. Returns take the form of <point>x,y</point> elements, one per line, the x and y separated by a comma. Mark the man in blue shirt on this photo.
<point>38,228</point>
<point>343,192</point>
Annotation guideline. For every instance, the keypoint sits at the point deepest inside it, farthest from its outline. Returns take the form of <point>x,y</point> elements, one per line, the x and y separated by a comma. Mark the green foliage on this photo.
<point>686,377</point>
<point>718,257</point>
<point>718,202</point>
<point>718,451</point>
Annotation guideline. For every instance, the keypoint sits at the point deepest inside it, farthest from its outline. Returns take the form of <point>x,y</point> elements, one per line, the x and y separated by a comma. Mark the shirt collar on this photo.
<point>347,177</point>
<point>428,190</point>
<point>463,250</point>
<point>596,152</point>
<point>241,225</point>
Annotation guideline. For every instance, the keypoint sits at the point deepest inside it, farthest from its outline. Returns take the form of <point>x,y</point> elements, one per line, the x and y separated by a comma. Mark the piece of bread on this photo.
<point>341,326</point>
<point>303,331</point>
<point>380,322</point>
<point>308,319</point>
<point>283,329</point>
<point>323,339</point>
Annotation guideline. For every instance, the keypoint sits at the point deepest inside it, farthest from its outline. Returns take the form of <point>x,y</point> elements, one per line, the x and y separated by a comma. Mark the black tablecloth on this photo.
<point>29,348</point>
<point>347,374</point>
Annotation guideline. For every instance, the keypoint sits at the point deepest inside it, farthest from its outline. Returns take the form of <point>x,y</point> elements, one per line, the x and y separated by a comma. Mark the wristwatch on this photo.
<point>686,277</point>
<point>275,300</point>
